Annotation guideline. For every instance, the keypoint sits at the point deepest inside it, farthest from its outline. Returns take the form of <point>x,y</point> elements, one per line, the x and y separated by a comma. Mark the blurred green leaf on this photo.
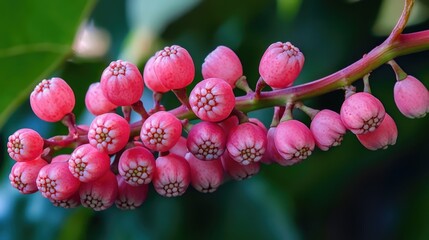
<point>39,37</point>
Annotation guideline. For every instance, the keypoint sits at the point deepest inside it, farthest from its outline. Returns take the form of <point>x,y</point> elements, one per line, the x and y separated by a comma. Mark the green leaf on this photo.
<point>36,37</point>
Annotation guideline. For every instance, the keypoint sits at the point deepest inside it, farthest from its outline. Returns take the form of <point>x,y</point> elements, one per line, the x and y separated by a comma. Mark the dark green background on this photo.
<point>346,193</point>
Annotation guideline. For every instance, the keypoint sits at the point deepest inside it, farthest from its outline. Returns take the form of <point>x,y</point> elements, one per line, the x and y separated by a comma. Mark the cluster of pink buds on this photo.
<point>114,161</point>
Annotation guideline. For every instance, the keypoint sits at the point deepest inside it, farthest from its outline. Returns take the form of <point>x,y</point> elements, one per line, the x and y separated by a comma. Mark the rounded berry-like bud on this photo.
<point>25,145</point>
<point>173,175</point>
<point>71,202</point>
<point>239,171</point>
<point>385,135</point>
<point>327,129</point>
<point>122,83</point>
<point>150,79</point>
<point>137,166</point>
<point>206,176</point>
<point>180,147</point>
<point>281,64</point>
<point>293,140</point>
<point>247,143</point>
<point>229,123</point>
<point>99,194</point>
<point>109,133</point>
<point>61,158</point>
<point>206,141</point>
<point>87,163</point>
<point>271,154</point>
<point>52,99</point>
<point>174,67</point>
<point>411,97</point>
<point>161,131</point>
<point>259,124</point>
<point>130,197</point>
<point>212,100</point>
<point>362,113</point>
<point>222,63</point>
<point>24,174</point>
<point>56,182</point>
<point>96,102</point>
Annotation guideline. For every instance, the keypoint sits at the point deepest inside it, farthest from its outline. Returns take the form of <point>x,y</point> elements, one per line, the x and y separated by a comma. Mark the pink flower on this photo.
<point>385,135</point>
<point>70,202</point>
<point>150,78</point>
<point>87,164</point>
<point>24,174</point>
<point>130,197</point>
<point>96,102</point>
<point>206,141</point>
<point>109,133</point>
<point>56,182</point>
<point>247,143</point>
<point>239,171</point>
<point>411,97</point>
<point>281,64</point>
<point>99,194</point>
<point>362,113</point>
<point>161,131</point>
<point>137,166</point>
<point>293,140</point>
<point>327,129</point>
<point>52,99</point>
<point>173,175</point>
<point>174,67</point>
<point>25,145</point>
<point>212,100</point>
<point>222,63</point>
<point>206,176</point>
<point>122,83</point>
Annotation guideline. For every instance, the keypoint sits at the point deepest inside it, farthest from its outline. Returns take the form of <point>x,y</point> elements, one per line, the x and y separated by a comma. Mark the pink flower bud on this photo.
<point>137,166</point>
<point>222,63</point>
<point>411,97</point>
<point>61,158</point>
<point>71,202</point>
<point>206,176</point>
<point>229,123</point>
<point>96,102</point>
<point>239,171</point>
<point>109,133</point>
<point>180,147</point>
<point>174,67</point>
<point>206,141</point>
<point>247,143</point>
<point>293,140</point>
<point>212,100</point>
<point>327,129</point>
<point>281,64</point>
<point>150,78</point>
<point>385,135</point>
<point>122,83</point>
<point>161,131</point>
<point>362,113</point>
<point>52,99</point>
<point>56,182</point>
<point>87,164</point>
<point>25,145</point>
<point>271,154</point>
<point>130,197</point>
<point>24,174</point>
<point>173,175</point>
<point>99,194</point>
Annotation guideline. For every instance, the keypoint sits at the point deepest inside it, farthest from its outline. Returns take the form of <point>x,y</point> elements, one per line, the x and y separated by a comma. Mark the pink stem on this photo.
<point>404,44</point>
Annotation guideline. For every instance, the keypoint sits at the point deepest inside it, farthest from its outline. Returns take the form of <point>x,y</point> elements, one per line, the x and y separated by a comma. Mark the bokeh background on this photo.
<point>346,193</point>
